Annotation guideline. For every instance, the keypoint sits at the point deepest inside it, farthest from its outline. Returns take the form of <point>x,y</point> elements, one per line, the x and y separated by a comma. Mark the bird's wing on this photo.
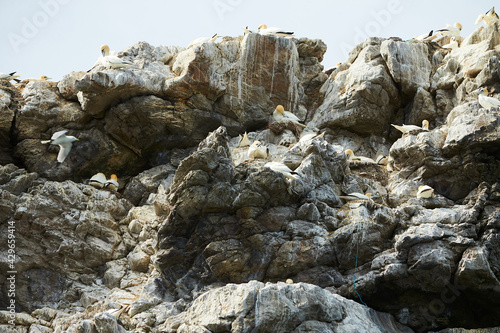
<point>58,134</point>
<point>64,151</point>
<point>479,19</point>
<point>492,100</point>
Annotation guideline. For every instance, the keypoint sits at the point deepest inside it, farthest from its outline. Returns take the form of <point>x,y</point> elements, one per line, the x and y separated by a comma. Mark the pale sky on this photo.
<point>55,37</point>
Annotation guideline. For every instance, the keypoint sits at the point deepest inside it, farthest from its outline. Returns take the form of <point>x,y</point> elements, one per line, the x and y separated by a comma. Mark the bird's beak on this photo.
<point>77,139</point>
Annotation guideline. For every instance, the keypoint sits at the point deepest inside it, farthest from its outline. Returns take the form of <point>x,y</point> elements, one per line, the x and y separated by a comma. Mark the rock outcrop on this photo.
<point>200,238</point>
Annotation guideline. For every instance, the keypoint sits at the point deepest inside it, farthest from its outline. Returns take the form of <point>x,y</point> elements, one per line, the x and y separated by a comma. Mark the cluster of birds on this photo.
<point>99,181</point>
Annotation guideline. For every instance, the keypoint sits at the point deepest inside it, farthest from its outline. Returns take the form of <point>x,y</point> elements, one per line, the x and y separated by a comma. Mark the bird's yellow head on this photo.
<point>44,77</point>
<point>280,109</point>
<point>420,187</point>
<point>458,25</point>
<point>425,124</point>
<point>368,194</point>
<point>104,50</point>
<point>262,26</point>
<point>113,176</point>
<point>349,153</point>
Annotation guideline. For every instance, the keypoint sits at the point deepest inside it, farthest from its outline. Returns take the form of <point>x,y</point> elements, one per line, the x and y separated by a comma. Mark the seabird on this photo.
<point>110,60</point>
<point>357,196</point>
<point>63,141</point>
<point>351,157</point>
<point>382,160</point>
<point>10,76</point>
<point>258,150</point>
<point>45,78</point>
<point>425,191</point>
<point>112,183</point>
<point>264,30</point>
<point>489,18</point>
<point>247,31</point>
<point>201,40</point>
<point>408,128</point>
<point>453,44</point>
<point>282,168</point>
<point>425,37</point>
<point>451,30</point>
<point>280,114</point>
<point>98,180</point>
<point>244,142</point>
<point>485,101</point>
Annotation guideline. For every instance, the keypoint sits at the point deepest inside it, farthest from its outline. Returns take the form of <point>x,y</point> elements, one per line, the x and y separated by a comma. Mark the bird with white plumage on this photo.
<point>352,158</point>
<point>486,101</point>
<point>280,114</point>
<point>64,142</point>
<point>257,150</point>
<point>283,169</point>
<point>489,18</point>
<point>275,31</point>
<point>409,128</point>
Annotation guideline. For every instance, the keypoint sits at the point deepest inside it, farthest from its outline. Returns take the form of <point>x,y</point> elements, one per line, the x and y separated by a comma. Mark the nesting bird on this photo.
<point>45,78</point>
<point>489,18</point>
<point>10,76</point>
<point>112,183</point>
<point>98,180</point>
<point>357,196</point>
<point>425,191</point>
<point>64,142</point>
<point>244,142</point>
<point>201,40</point>
<point>425,37</point>
<point>110,60</point>
<point>257,150</point>
<point>264,30</point>
<point>485,101</point>
<point>283,169</point>
<point>451,30</point>
<point>382,160</point>
<point>453,44</point>
<point>352,158</point>
<point>280,114</point>
<point>409,128</point>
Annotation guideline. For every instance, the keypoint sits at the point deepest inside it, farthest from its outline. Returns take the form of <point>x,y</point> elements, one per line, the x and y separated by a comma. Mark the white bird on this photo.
<point>45,78</point>
<point>202,40</point>
<point>247,31</point>
<point>244,142</point>
<point>280,114</point>
<point>110,60</point>
<point>10,76</point>
<point>425,191</point>
<point>98,180</point>
<point>425,37</point>
<point>282,168</point>
<point>357,196</point>
<point>451,30</point>
<point>489,18</point>
<point>264,30</point>
<point>258,150</point>
<point>485,101</point>
<point>453,44</point>
<point>382,160</point>
<point>112,183</point>
<point>352,158</point>
<point>408,128</point>
<point>64,142</point>
<point>305,138</point>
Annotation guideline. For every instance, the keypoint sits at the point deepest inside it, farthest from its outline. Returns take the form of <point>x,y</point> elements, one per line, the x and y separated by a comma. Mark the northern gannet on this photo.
<point>10,76</point>
<point>280,114</point>
<point>357,196</point>
<point>244,142</point>
<point>282,168</point>
<point>264,30</point>
<point>201,40</point>
<point>408,128</point>
<point>382,160</point>
<point>110,60</point>
<point>425,191</point>
<point>489,18</point>
<point>98,180</point>
<point>112,183</point>
<point>485,101</point>
<point>351,157</point>
<point>425,37</point>
<point>257,150</point>
<point>308,137</point>
<point>45,78</point>
<point>451,30</point>
<point>63,141</point>
<point>453,44</point>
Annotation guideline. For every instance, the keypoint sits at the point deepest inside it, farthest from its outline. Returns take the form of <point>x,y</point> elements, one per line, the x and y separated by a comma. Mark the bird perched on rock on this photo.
<point>451,30</point>
<point>201,40</point>
<point>282,168</point>
<point>425,191</point>
<point>257,150</point>
<point>352,158</point>
<point>382,160</point>
<point>45,78</point>
<point>98,180</point>
<point>425,37</point>
<point>308,137</point>
<point>280,114</point>
<point>408,128</point>
<point>453,44</point>
<point>244,142</point>
<point>64,142</point>
<point>485,101</point>
<point>112,183</point>
<point>357,196</point>
<point>489,18</point>
<point>110,60</point>
<point>264,30</point>
<point>10,76</point>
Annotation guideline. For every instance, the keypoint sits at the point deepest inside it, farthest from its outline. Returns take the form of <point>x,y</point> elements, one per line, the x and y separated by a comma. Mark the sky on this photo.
<point>56,37</point>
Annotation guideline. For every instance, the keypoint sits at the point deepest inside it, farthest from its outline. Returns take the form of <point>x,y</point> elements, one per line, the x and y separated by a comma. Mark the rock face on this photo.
<point>200,238</point>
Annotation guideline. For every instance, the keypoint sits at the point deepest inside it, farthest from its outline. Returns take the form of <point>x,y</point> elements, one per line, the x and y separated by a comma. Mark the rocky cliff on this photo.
<point>199,238</point>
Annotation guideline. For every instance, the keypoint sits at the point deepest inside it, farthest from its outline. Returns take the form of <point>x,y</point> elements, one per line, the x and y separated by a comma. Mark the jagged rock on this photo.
<point>141,186</point>
<point>107,323</point>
